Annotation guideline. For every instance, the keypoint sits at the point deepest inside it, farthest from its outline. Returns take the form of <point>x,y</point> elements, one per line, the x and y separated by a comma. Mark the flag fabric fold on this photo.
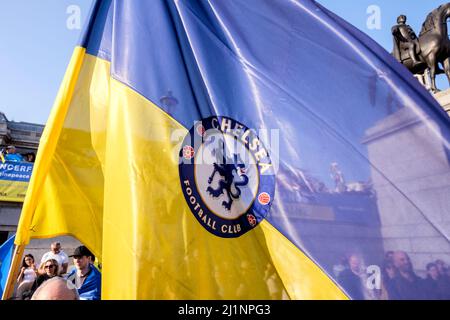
<point>239,150</point>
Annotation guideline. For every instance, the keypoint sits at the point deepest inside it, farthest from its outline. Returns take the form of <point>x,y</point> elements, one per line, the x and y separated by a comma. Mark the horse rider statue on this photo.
<point>405,38</point>
<point>424,55</point>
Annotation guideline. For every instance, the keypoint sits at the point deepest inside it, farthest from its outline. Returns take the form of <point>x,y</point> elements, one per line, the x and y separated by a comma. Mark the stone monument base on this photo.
<point>443,98</point>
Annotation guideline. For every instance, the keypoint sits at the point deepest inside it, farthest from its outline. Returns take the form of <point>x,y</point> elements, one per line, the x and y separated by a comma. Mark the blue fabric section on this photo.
<point>6,251</point>
<point>89,24</point>
<point>361,150</point>
<point>97,36</point>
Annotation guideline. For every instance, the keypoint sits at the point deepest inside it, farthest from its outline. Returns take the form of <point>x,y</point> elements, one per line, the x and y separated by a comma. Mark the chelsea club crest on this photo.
<point>226,175</point>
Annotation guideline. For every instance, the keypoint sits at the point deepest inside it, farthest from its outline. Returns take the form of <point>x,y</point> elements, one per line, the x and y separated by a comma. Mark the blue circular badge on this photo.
<point>227,176</point>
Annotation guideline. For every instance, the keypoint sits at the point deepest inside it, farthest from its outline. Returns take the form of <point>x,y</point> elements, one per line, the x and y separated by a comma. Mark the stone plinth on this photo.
<point>443,98</point>
<point>413,187</point>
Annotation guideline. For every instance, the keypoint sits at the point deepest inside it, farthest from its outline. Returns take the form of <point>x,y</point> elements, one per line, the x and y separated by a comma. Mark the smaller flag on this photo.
<point>6,252</point>
<point>2,155</point>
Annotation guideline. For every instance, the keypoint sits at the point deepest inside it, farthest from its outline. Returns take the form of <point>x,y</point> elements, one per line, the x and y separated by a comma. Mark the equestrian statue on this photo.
<point>422,54</point>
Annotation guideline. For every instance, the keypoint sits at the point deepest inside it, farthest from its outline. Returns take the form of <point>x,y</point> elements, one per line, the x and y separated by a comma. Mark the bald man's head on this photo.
<point>55,289</point>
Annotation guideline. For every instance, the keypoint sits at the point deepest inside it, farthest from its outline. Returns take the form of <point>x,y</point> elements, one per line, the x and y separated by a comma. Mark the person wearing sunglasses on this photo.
<point>51,269</point>
<point>59,255</point>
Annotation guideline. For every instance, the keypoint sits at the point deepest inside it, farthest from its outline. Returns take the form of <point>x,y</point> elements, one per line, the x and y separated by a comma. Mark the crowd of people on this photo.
<point>51,280</point>
<point>10,154</point>
<point>398,280</point>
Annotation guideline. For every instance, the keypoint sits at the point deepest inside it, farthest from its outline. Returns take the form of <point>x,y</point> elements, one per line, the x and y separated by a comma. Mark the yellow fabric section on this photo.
<point>40,186</point>
<point>66,189</point>
<point>111,179</point>
<point>307,281</point>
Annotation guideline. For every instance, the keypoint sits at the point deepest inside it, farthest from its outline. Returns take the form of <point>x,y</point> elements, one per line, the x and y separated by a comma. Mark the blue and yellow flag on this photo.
<point>6,252</point>
<point>242,150</point>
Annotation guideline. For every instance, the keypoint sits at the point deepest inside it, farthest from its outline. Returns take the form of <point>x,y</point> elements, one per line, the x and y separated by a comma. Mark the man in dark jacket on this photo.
<point>408,286</point>
<point>350,279</point>
<point>85,277</point>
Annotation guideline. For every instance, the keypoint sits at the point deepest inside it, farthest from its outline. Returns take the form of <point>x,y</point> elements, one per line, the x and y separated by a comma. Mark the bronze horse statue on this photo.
<point>433,48</point>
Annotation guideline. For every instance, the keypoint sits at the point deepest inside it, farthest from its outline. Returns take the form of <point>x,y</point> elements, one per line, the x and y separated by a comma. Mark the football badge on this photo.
<point>226,175</point>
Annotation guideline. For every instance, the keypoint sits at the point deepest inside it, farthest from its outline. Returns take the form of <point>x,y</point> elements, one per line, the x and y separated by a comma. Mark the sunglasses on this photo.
<point>49,267</point>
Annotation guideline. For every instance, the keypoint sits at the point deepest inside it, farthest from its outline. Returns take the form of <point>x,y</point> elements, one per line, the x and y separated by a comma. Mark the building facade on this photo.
<point>25,137</point>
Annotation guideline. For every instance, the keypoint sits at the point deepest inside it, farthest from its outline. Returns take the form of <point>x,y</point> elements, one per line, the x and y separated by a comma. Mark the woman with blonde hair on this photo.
<point>51,269</point>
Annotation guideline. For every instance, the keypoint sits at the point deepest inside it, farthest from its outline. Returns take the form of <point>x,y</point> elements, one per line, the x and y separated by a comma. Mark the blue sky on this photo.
<point>36,45</point>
